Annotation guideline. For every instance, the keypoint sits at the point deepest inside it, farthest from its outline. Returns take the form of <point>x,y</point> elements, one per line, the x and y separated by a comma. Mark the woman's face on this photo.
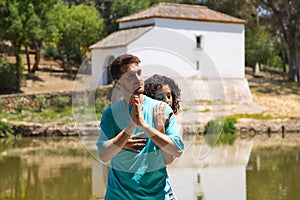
<point>164,94</point>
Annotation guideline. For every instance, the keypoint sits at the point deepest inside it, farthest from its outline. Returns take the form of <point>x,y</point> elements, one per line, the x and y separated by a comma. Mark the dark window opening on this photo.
<point>198,41</point>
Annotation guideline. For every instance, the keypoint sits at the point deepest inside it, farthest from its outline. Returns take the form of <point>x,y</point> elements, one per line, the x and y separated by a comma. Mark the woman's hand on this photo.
<point>160,118</point>
<point>134,142</point>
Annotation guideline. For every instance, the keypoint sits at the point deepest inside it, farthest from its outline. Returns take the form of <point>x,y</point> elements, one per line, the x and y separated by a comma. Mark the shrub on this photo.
<point>62,101</point>
<point>3,102</point>
<point>21,104</point>
<point>100,104</point>
<point>8,76</point>
<point>5,129</point>
<point>227,130</point>
<point>41,103</point>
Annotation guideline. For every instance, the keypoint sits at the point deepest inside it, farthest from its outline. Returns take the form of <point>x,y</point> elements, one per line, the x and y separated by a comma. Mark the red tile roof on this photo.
<point>182,11</point>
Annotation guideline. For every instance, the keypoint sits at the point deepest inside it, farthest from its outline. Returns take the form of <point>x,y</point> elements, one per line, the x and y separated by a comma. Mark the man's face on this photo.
<point>131,81</point>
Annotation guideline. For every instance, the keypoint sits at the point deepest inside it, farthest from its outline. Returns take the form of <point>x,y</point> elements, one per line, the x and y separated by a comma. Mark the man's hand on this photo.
<point>134,142</point>
<point>137,114</point>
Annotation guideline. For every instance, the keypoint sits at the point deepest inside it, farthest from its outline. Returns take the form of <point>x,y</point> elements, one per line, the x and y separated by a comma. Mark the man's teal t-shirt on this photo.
<point>134,175</point>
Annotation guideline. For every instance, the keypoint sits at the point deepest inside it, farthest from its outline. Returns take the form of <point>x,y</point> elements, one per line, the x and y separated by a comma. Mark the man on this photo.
<point>129,140</point>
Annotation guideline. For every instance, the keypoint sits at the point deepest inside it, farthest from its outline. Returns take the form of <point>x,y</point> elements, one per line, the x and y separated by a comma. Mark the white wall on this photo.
<point>167,48</point>
<point>222,43</point>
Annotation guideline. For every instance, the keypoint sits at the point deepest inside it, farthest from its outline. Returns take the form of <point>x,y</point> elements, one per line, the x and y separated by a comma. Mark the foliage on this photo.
<point>21,104</point>
<point>111,10</point>
<point>41,103</point>
<point>62,101</point>
<point>5,130</point>
<point>260,47</point>
<point>282,19</point>
<point>8,76</point>
<point>79,27</point>
<point>25,24</point>
<point>67,32</point>
<point>101,104</point>
<point>3,102</point>
<point>226,128</point>
<point>242,9</point>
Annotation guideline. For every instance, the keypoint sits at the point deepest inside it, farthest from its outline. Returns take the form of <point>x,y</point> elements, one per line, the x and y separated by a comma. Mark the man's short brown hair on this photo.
<point>122,60</point>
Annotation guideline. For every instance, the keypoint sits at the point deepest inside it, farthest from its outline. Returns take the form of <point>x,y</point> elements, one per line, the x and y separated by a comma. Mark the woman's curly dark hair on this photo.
<point>156,81</point>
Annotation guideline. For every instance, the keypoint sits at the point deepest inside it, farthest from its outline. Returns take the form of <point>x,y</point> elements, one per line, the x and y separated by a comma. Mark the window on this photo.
<point>198,41</point>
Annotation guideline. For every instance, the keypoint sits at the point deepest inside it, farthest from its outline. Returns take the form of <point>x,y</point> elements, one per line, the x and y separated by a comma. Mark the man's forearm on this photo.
<point>162,140</point>
<point>115,145</point>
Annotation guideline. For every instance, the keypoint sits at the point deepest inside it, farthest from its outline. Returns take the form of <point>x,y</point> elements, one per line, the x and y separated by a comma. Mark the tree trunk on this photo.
<point>298,67</point>
<point>284,60</point>
<point>28,59</point>
<point>256,68</point>
<point>292,63</point>
<point>18,68</point>
<point>37,56</point>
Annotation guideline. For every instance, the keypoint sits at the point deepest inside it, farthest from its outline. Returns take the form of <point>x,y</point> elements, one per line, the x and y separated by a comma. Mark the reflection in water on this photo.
<point>38,174</point>
<point>20,180</point>
<point>220,175</point>
<point>100,175</point>
<point>61,169</point>
<point>274,173</point>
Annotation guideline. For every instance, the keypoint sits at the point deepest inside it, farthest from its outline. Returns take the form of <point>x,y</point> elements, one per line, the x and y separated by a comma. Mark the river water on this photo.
<point>62,169</point>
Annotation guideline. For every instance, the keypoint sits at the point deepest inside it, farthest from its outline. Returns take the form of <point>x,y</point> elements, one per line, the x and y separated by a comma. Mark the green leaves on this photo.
<point>221,132</point>
<point>261,47</point>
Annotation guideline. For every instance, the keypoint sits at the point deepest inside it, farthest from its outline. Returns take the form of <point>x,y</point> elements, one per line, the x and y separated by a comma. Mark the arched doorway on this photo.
<point>107,79</point>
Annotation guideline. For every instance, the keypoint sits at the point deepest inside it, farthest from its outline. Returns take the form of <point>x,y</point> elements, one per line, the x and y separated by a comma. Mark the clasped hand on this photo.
<point>137,119</point>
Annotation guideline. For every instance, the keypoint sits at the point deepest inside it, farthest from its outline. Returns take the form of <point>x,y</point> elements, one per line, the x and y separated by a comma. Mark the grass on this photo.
<point>205,110</point>
<point>252,116</point>
<point>61,115</point>
<point>58,115</point>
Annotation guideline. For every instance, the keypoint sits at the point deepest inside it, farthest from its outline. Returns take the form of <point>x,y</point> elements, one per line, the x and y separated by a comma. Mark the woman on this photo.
<point>164,89</point>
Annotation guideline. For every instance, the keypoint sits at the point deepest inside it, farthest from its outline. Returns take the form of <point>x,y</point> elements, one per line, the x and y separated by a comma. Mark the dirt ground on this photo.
<point>50,78</point>
<point>280,98</point>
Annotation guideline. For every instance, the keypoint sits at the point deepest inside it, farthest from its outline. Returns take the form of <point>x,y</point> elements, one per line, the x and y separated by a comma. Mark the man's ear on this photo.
<point>115,81</point>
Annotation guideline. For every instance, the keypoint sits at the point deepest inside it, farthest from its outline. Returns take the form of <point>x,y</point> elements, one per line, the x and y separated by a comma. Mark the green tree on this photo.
<point>37,27</point>
<point>11,29</point>
<point>111,10</point>
<point>24,24</point>
<point>242,9</point>
<point>260,47</point>
<point>283,19</point>
<point>79,27</point>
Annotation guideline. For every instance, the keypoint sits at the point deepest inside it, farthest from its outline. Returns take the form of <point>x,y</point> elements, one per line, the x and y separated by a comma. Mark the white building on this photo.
<point>201,48</point>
